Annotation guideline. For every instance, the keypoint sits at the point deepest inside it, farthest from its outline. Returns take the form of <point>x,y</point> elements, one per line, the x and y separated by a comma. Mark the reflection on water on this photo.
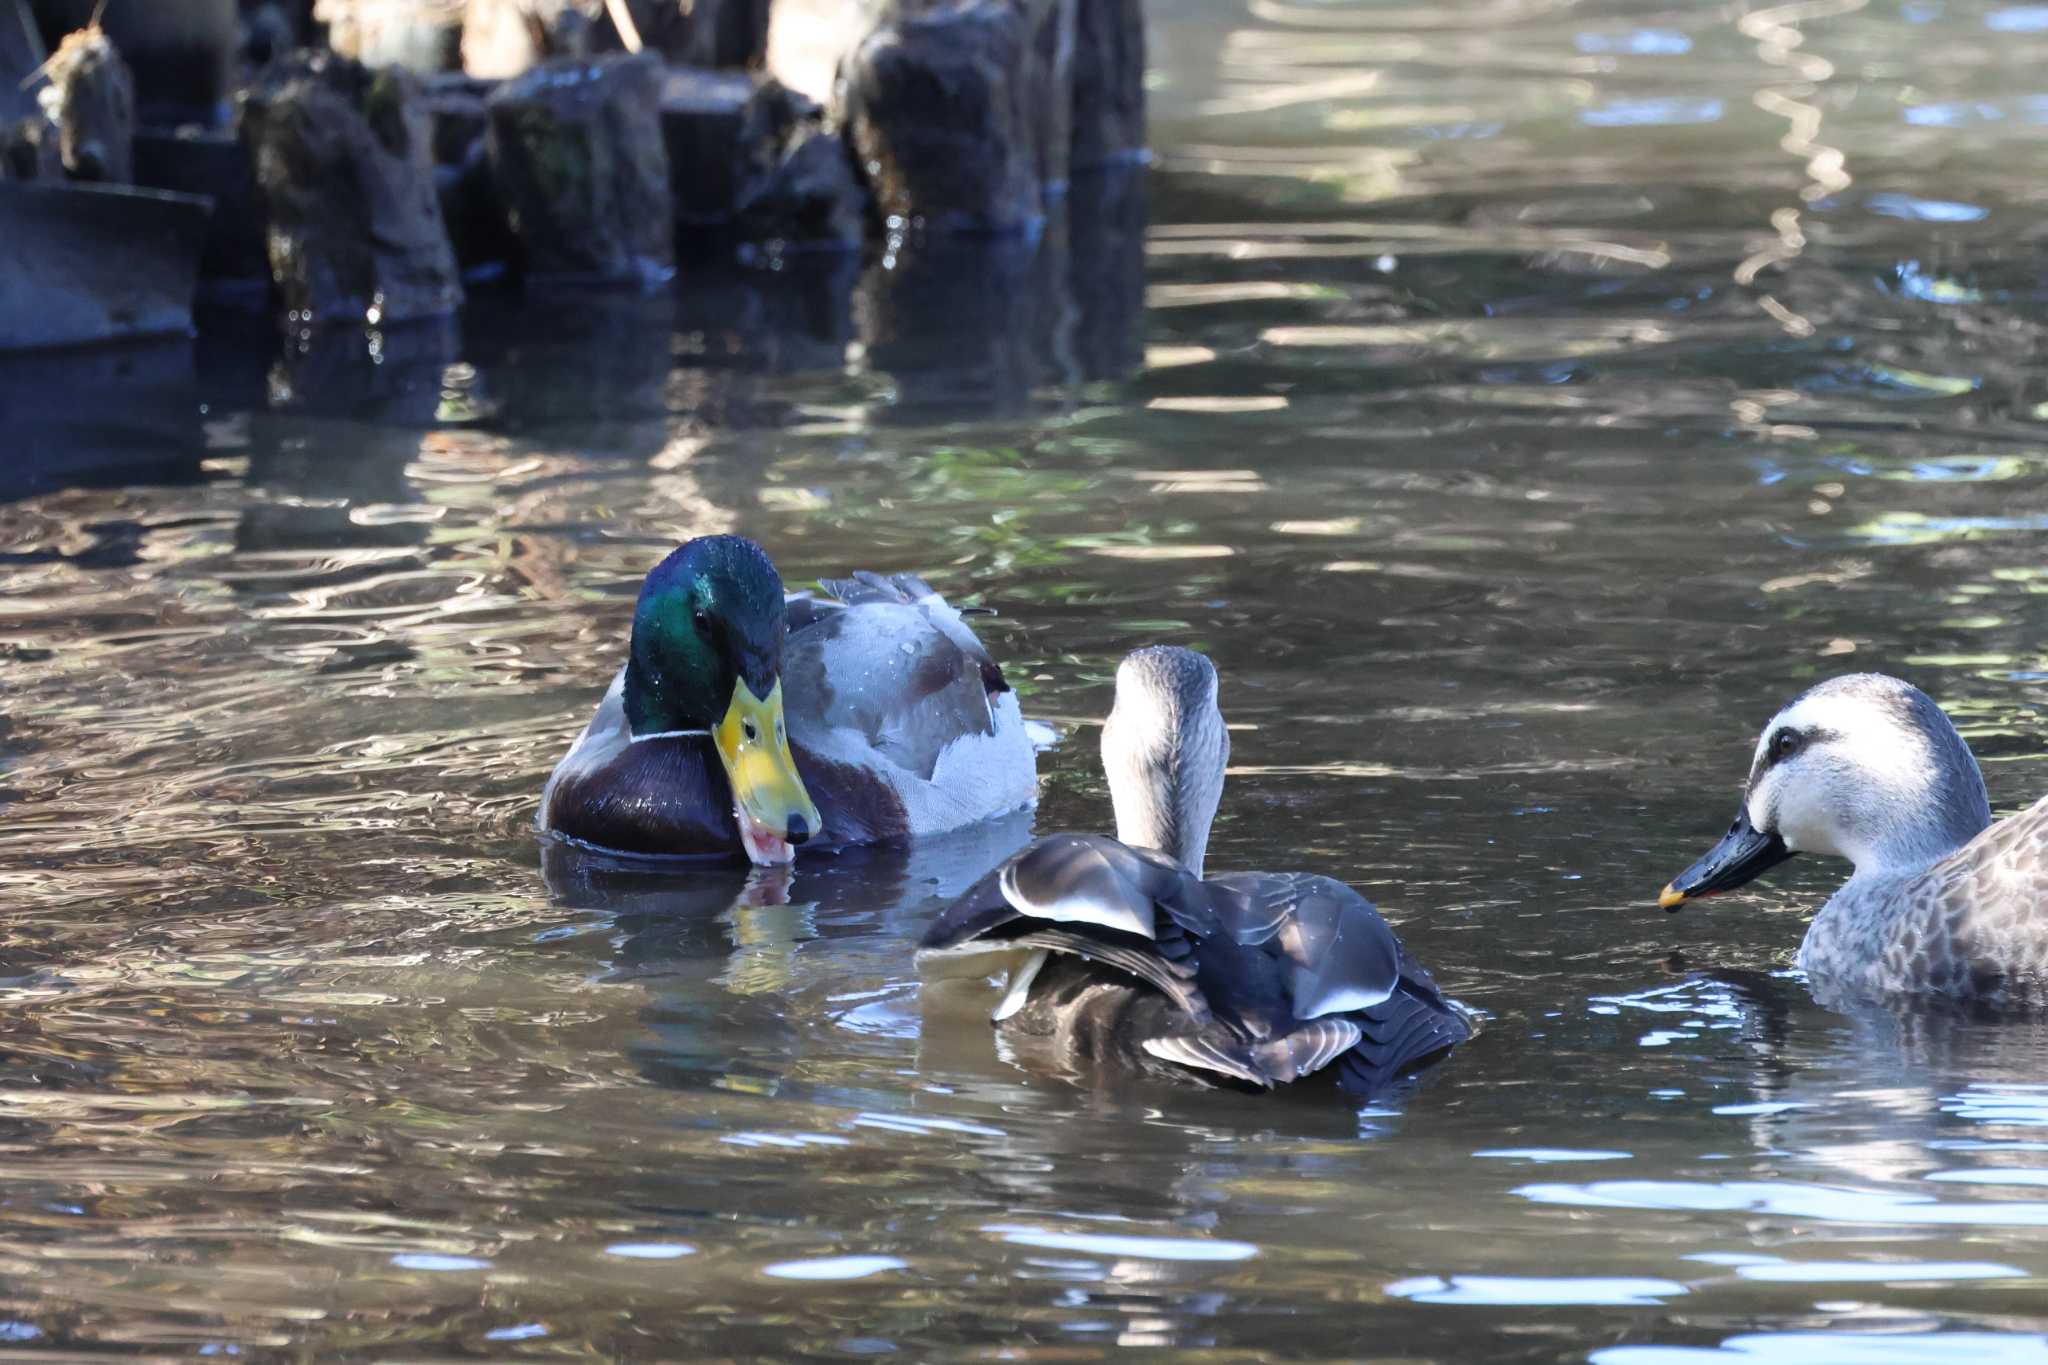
<point>1909,1343</point>
<point>1518,400</point>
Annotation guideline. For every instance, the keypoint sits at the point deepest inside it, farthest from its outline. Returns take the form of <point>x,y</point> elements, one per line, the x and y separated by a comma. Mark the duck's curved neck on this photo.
<point>1915,831</point>
<point>1165,751</point>
<point>1148,817</point>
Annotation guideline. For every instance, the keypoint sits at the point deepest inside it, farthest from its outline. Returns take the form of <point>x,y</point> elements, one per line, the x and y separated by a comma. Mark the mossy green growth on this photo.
<point>558,154</point>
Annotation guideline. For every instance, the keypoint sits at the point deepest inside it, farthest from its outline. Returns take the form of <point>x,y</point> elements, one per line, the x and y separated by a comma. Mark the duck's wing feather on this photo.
<point>805,608</point>
<point>1082,880</point>
<point>1139,958</point>
<point>1088,897</point>
<point>1273,1061</point>
<point>1213,1051</point>
<point>1274,976</point>
<point>884,677</point>
<point>1339,953</point>
<point>1339,964</point>
<point>862,586</point>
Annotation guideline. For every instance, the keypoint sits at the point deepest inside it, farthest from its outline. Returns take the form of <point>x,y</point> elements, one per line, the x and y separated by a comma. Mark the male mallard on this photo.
<point>1252,978</point>
<point>897,723</point>
<point>1944,906</point>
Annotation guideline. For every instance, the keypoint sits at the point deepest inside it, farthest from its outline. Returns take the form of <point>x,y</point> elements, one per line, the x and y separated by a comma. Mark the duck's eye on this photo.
<point>752,731</point>
<point>1784,744</point>
<point>702,618</point>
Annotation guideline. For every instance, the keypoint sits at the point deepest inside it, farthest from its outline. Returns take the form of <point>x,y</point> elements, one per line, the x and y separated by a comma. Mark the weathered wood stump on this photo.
<point>810,198</point>
<point>940,108</point>
<point>1108,84</point>
<point>974,114</point>
<point>479,225</point>
<point>757,158</point>
<point>704,118</point>
<point>458,110</point>
<point>576,147</point>
<point>215,163</point>
<point>343,170</point>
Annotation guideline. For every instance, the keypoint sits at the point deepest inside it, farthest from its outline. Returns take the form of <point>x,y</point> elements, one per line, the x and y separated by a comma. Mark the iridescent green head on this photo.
<point>709,615</point>
<point>707,656</point>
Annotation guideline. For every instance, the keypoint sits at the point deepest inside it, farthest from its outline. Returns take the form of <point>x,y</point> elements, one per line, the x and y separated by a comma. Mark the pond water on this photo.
<point>1527,398</point>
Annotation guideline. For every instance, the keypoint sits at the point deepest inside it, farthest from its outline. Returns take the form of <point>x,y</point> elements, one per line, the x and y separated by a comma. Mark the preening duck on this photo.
<point>1943,905</point>
<point>747,720</point>
<point>1133,958</point>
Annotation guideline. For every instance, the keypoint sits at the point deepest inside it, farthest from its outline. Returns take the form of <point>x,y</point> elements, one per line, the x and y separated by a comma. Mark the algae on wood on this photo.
<point>576,148</point>
<point>343,168</point>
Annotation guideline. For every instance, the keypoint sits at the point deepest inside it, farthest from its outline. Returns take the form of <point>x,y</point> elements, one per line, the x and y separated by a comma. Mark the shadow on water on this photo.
<point>722,948</point>
<point>982,325</point>
<point>100,417</point>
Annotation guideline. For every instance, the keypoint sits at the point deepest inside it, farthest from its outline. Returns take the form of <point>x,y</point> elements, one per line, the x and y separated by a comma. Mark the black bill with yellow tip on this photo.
<point>1743,854</point>
<point>769,798</point>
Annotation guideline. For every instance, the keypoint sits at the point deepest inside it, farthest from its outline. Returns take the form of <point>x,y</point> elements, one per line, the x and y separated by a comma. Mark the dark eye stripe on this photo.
<point>1783,745</point>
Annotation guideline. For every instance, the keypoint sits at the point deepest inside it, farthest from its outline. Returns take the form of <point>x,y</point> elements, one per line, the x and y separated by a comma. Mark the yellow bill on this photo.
<point>774,811</point>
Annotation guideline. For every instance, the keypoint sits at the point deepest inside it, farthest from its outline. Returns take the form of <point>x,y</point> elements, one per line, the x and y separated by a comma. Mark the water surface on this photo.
<point>1519,400</point>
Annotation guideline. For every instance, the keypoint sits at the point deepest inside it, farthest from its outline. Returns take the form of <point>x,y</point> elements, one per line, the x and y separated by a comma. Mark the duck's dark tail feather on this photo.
<point>1396,1036</point>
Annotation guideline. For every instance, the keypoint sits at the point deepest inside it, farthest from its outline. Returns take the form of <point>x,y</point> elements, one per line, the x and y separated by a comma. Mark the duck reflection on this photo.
<point>818,1085</point>
<point>1890,1092</point>
<point>1903,1105</point>
<point>746,968</point>
<point>797,972</point>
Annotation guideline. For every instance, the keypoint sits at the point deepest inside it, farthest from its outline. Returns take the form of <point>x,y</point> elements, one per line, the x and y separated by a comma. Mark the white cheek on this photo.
<point>1803,820</point>
<point>1757,805</point>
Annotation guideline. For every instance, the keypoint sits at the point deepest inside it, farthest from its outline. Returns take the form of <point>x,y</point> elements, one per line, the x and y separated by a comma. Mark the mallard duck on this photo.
<point>1942,904</point>
<point>1251,978</point>
<point>748,720</point>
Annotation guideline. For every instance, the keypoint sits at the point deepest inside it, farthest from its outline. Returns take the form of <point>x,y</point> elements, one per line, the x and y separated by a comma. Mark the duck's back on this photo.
<point>1970,930</point>
<point>1329,955</point>
<point>1254,979</point>
<point>900,720</point>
